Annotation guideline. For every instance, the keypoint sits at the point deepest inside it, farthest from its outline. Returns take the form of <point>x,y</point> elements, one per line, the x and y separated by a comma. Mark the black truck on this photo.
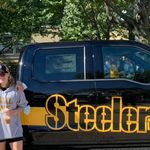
<point>89,93</point>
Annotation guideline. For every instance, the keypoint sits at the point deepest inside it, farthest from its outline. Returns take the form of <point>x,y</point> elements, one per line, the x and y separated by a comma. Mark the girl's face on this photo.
<point>4,79</point>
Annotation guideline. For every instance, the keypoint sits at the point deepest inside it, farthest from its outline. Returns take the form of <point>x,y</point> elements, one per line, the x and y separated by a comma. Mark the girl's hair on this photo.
<point>11,81</point>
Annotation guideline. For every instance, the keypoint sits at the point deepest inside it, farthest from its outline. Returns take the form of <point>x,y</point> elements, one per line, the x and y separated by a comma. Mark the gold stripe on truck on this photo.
<point>35,118</point>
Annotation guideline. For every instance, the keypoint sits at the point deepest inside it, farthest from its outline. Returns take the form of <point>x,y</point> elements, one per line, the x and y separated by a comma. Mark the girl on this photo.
<point>12,103</point>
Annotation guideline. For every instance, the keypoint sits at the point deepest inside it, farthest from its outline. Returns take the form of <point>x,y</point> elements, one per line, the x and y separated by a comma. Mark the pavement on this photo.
<point>56,148</point>
<point>39,147</point>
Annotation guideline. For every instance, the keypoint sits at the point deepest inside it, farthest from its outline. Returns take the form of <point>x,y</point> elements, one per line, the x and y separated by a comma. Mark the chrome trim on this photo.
<point>94,80</point>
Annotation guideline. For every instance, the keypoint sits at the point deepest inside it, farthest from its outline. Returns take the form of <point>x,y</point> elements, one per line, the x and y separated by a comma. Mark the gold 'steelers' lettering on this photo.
<point>114,118</point>
<point>57,113</point>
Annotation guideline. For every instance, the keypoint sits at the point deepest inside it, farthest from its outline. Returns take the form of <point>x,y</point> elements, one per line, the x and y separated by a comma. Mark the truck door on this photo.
<point>61,82</point>
<point>123,93</point>
<point>67,70</point>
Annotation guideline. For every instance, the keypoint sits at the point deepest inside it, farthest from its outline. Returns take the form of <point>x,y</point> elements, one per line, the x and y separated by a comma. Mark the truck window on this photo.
<point>126,62</point>
<point>59,64</point>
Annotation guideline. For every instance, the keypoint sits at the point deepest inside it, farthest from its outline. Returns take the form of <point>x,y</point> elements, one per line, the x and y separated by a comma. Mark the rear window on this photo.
<point>59,64</point>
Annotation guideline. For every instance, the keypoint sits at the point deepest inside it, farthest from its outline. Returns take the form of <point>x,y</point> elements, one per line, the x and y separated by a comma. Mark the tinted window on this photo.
<point>59,64</point>
<point>126,62</point>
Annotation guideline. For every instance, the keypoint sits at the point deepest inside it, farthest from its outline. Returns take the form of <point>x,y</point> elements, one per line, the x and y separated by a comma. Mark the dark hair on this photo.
<point>4,68</point>
<point>11,80</point>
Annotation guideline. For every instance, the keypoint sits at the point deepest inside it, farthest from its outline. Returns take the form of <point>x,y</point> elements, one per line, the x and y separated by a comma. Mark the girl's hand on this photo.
<point>13,112</point>
<point>7,116</point>
<point>10,113</point>
<point>20,86</point>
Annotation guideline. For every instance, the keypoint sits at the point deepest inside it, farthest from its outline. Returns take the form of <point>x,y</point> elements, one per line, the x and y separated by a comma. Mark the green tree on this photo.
<point>96,19</point>
<point>84,20</point>
<point>78,20</point>
<point>21,18</point>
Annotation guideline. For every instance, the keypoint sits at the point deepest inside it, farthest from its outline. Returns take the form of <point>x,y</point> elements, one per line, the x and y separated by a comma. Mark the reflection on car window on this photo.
<point>126,62</point>
<point>144,56</point>
<point>59,64</point>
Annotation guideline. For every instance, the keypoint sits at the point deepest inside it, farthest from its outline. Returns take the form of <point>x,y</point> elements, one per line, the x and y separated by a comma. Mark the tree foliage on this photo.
<point>132,14</point>
<point>83,20</point>
<point>76,19</point>
<point>96,19</point>
<point>21,18</point>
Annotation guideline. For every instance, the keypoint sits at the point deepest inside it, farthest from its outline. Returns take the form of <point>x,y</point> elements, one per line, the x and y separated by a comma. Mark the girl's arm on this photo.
<point>13,112</point>
<point>20,86</point>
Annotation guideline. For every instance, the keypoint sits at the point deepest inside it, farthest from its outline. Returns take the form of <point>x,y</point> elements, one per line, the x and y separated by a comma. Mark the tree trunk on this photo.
<point>139,23</point>
<point>131,34</point>
<point>148,38</point>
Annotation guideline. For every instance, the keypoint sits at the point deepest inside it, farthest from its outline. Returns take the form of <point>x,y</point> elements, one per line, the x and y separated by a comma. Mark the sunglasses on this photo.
<point>2,74</point>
